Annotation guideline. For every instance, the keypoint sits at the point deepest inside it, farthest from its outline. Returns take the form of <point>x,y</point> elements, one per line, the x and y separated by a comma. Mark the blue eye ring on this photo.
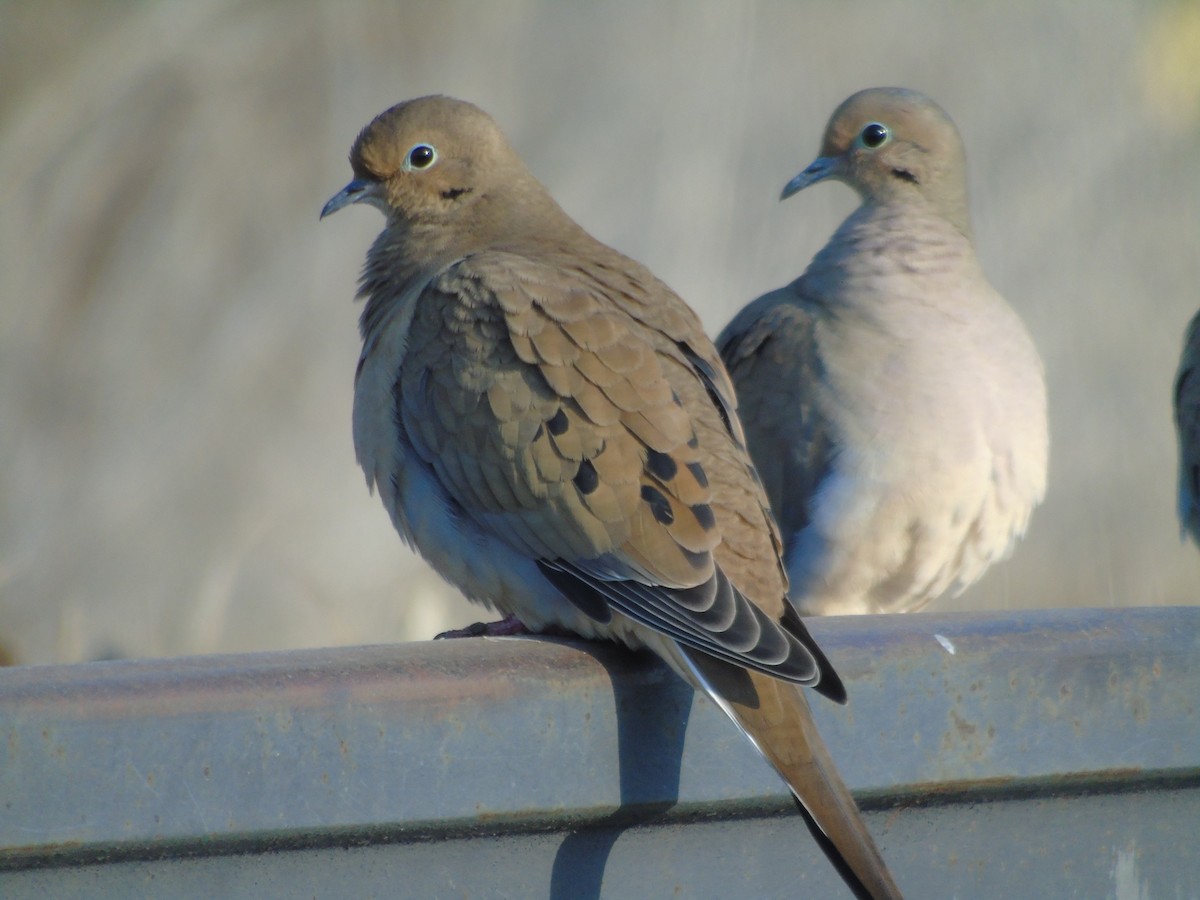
<point>420,156</point>
<point>874,135</point>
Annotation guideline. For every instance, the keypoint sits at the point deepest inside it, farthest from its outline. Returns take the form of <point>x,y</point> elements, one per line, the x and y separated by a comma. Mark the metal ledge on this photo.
<point>1054,754</point>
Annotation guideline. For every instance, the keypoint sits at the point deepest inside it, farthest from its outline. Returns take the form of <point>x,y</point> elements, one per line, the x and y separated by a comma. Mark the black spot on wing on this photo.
<point>586,479</point>
<point>558,423</point>
<point>697,471</point>
<point>704,515</point>
<point>661,465</point>
<point>660,506</point>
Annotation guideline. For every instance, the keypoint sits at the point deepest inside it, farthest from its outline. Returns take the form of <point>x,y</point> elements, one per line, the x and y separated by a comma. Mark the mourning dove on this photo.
<point>1187,426</point>
<point>894,404</point>
<point>548,425</point>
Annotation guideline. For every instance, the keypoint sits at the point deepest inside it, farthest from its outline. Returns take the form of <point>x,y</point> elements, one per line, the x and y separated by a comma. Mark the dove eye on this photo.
<point>874,135</point>
<point>421,156</point>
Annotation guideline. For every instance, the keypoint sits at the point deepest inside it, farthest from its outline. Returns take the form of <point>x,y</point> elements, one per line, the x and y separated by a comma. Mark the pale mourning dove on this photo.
<point>894,404</point>
<point>548,425</point>
<point>1187,426</point>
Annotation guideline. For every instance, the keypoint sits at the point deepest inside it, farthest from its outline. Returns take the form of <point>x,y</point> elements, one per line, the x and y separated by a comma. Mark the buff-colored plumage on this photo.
<point>548,425</point>
<point>1187,428</point>
<point>894,403</point>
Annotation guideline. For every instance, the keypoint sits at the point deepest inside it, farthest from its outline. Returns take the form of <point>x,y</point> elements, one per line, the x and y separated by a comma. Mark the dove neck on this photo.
<point>412,250</point>
<point>889,240</point>
<point>519,215</point>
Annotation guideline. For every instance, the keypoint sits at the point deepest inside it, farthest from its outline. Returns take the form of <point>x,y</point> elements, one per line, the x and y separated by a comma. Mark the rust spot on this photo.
<point>1139,710</point>
<point>964,728</point>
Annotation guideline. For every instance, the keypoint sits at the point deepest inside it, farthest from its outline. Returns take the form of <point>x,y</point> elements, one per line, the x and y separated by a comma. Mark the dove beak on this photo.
<point>356,191</point>
<point>818,170</point>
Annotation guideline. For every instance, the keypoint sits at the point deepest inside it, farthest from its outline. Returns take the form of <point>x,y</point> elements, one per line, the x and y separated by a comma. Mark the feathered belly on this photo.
<point>893,545</point>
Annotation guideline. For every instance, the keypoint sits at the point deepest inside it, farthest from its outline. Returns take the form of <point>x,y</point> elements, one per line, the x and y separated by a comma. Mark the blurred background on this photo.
<point>178,337</point>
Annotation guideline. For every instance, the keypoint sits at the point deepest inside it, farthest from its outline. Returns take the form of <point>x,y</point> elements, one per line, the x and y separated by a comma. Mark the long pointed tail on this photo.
<point>775,716</point>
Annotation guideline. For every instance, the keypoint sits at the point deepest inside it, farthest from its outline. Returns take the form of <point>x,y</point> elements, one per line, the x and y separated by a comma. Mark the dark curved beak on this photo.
<point>355,192</point>
<point>818,170</point>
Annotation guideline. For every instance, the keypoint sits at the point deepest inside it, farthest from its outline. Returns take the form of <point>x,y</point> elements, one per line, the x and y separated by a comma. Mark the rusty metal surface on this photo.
<point>1054,755</point>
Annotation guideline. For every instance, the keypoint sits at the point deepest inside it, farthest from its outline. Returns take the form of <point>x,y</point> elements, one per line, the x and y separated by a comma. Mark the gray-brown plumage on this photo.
<point>894,403</point>
<point>1187,428</point>
<point>548,425</point>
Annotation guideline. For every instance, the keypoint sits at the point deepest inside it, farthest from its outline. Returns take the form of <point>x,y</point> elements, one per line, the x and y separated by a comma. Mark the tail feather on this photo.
<point>776,718</point>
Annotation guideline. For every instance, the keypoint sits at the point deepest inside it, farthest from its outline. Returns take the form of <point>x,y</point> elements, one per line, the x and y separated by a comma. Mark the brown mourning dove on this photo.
<point>893,402</point>
<point>1187,426</point>
<point>548,425</point>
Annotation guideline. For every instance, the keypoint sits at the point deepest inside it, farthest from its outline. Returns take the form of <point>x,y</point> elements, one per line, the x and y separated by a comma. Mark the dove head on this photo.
<point>893,145</point>
<point>442,171</point>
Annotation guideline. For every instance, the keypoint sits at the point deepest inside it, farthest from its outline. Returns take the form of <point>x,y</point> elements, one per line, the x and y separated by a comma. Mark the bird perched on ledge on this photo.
<point>548,425</point>
<point>894,404</point>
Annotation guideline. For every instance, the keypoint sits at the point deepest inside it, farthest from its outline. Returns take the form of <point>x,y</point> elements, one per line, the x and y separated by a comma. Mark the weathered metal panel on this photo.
<point>1052,755</point>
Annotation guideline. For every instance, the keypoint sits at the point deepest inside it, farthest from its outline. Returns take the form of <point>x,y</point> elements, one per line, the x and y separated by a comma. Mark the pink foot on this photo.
<point>506,627</point>
<point>509,626</point>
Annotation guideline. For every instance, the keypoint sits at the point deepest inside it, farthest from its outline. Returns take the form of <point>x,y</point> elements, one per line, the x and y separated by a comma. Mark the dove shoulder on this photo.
<point>772,353</point>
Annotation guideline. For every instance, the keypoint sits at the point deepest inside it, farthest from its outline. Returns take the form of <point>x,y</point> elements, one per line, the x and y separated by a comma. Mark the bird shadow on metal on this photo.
<point>652,717</point>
